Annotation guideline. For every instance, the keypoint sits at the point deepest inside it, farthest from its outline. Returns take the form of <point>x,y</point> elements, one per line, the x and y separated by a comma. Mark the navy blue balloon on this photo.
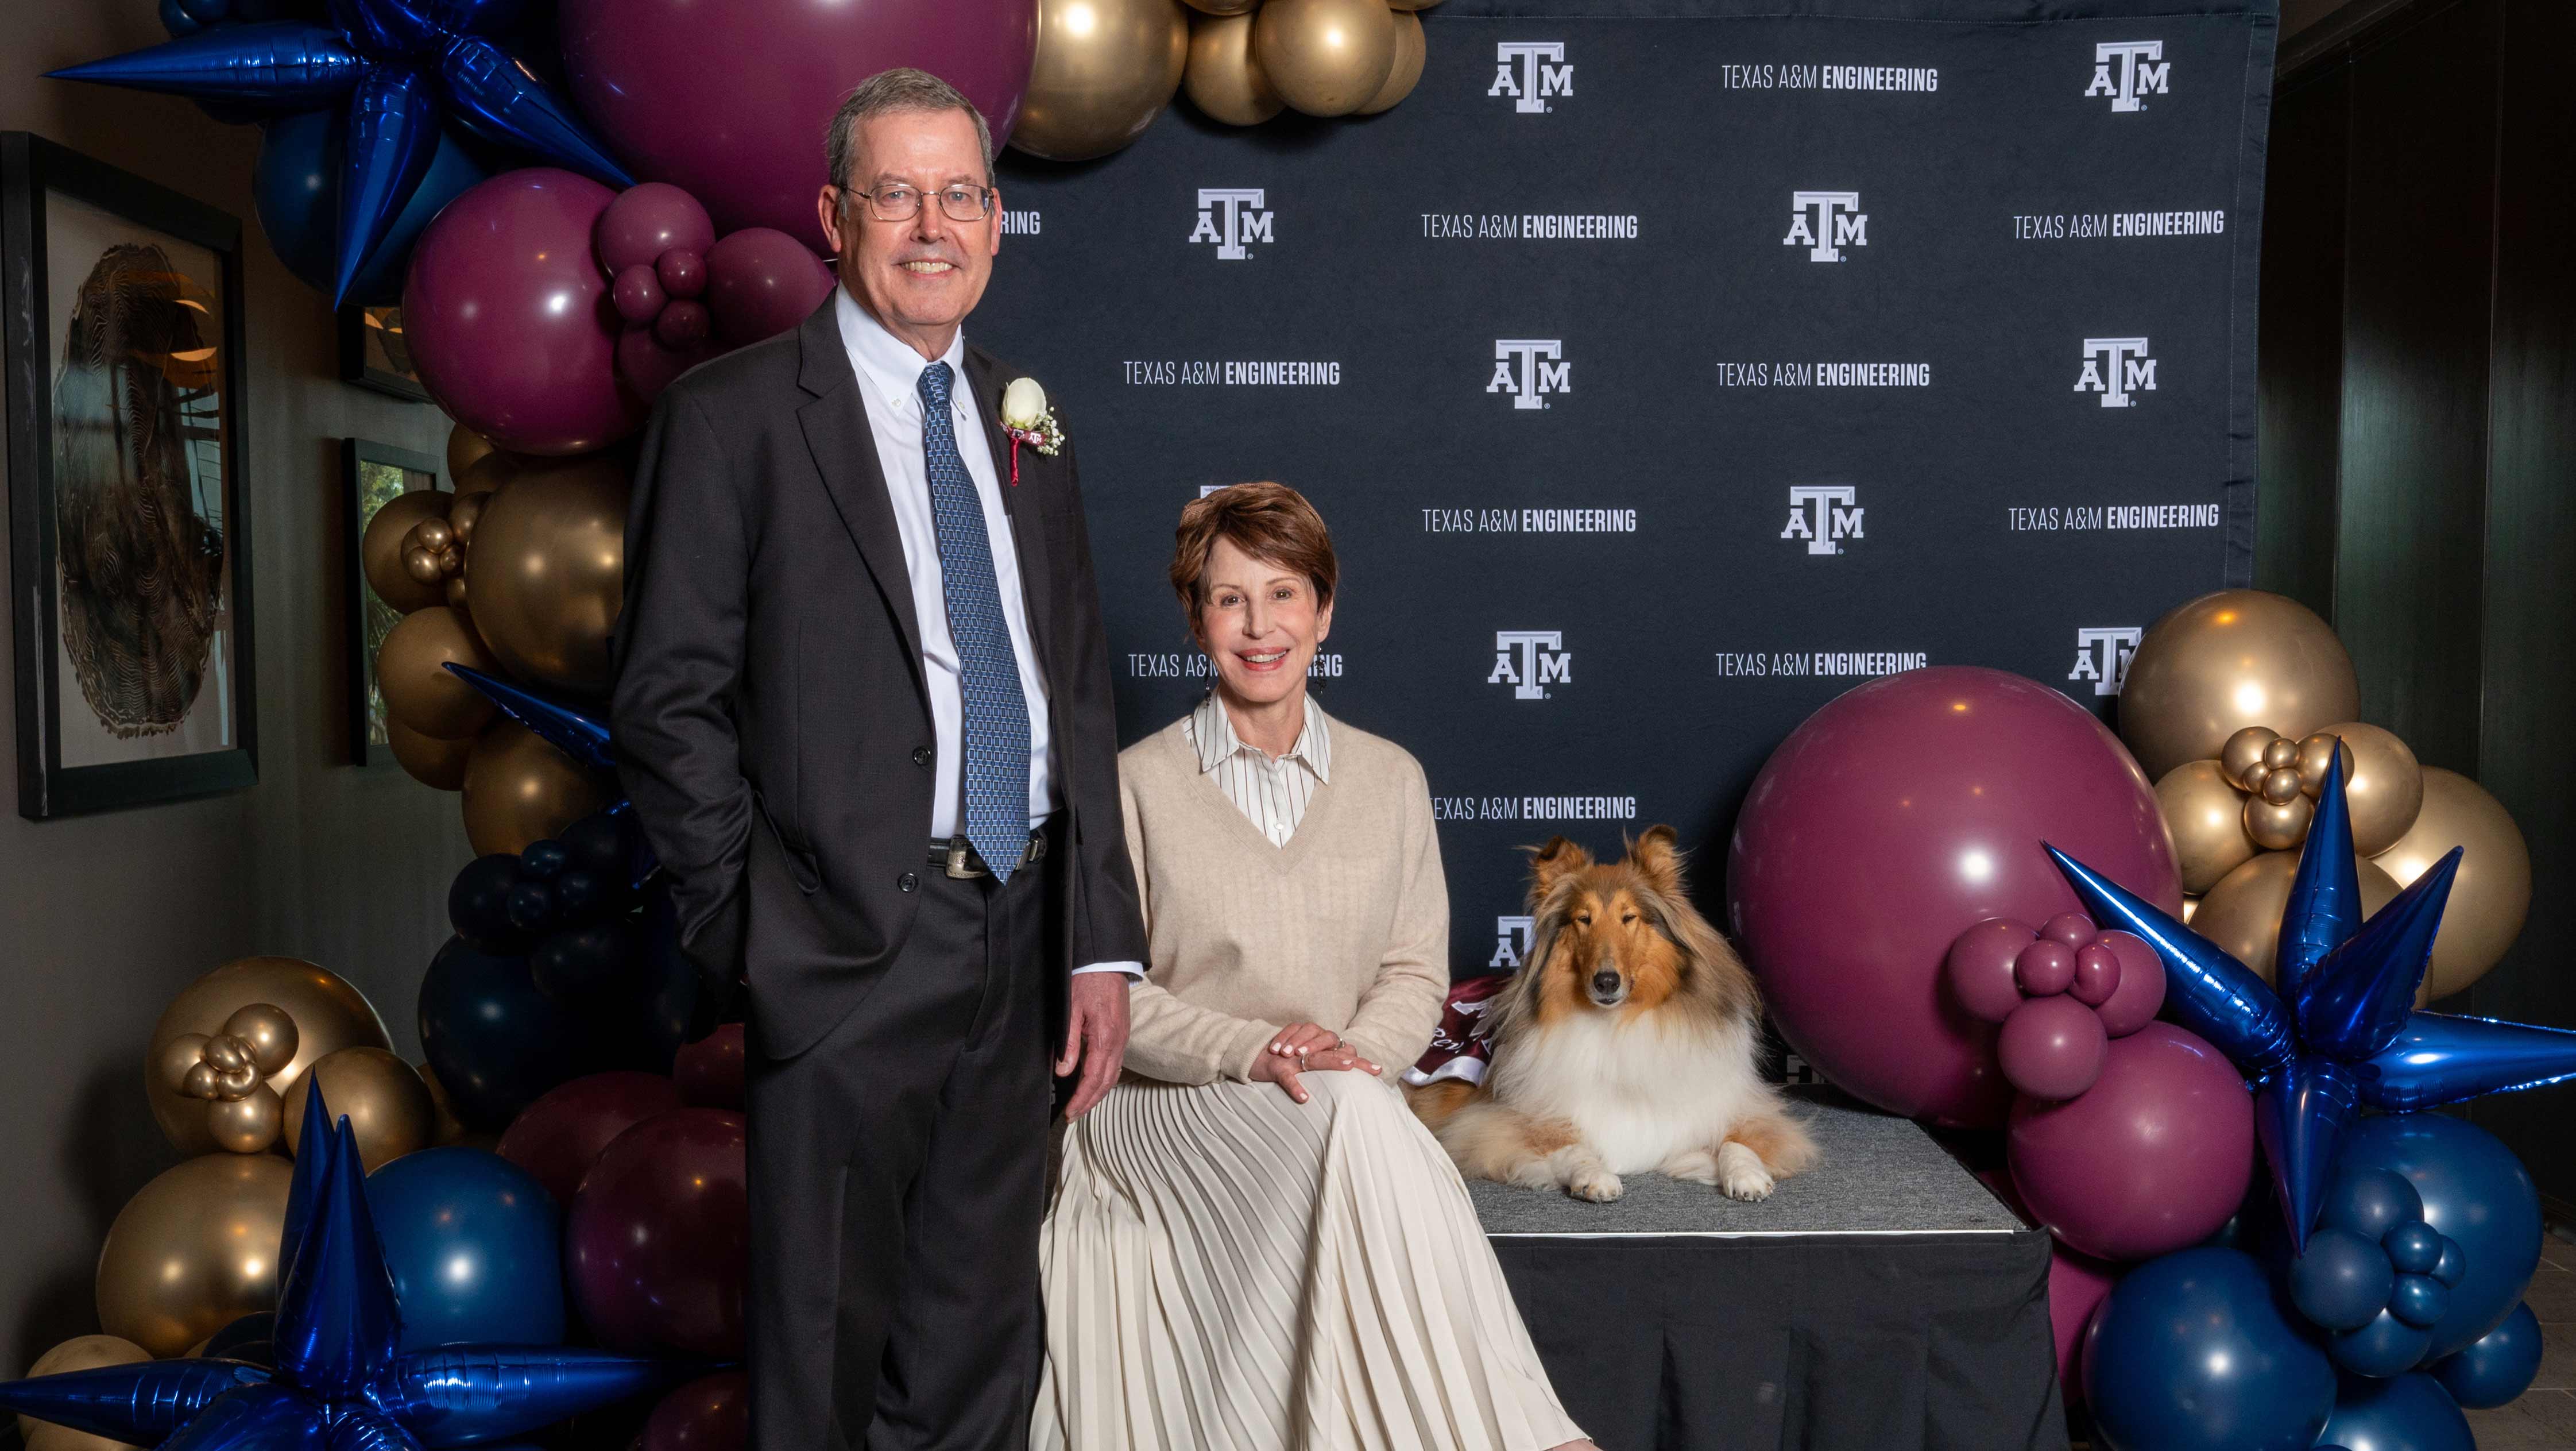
<point>573,966</point>
<point>2453,1264</point>
<point>2386,1346</point>
<point>2192,1352</point>
<point>2343,1280</point>
<point>495,1042</point>
<point>2413,1247</point>
<point>2475,1192</point>
<point>2497,1366</point>
<point>475,1246</point>
<point>2408,1413</point>
<point>598,844</point>
<point>544,859</point>
<point>296,190</point>
<point>2419,1300</point>
<point>478,905</point>
<point>2369,1202</point>
<point>531,906</point>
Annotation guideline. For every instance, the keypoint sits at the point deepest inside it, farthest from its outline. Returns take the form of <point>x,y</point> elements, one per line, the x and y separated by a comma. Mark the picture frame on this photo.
<point>373,354</point>
<point>130,545</point>
<point>372,475</point>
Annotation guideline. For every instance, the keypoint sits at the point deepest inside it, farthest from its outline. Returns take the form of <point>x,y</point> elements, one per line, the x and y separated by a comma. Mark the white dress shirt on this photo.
<point>889,371</point>
<point>1272,795</point>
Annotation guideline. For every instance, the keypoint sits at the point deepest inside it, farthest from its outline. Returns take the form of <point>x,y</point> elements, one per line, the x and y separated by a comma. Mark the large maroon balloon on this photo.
<point>730,98</point>
<point>709,1072</point>
<point>657,1243</point>
<point>712,1413</point>
<point>2077,1284</point>
<point>2153,1157</point>
<point>558,1137</point>
<point>508,316</point>
<point>762,282</point>
<point>1900,814</point>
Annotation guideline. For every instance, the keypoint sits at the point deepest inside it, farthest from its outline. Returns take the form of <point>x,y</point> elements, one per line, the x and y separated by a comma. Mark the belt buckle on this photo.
<point>957,866</point>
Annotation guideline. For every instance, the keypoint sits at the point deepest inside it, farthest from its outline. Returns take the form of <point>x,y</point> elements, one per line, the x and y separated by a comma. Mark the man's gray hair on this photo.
<point>900,89</point>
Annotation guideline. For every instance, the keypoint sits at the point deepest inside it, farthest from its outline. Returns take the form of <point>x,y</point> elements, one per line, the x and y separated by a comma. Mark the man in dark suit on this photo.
<point>863,702</point>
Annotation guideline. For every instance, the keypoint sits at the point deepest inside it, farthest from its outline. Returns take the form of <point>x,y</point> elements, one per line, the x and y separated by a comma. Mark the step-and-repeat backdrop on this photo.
<point>1664,374</point>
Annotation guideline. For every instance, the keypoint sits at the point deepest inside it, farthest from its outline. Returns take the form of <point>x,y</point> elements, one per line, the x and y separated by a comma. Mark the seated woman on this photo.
<point>1254,1246</point>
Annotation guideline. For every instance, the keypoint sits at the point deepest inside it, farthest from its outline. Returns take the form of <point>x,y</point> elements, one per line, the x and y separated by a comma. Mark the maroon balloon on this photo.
<point>2097,974</point>
<point>729,98</point>
<point>709,1072</point>
<point>761,282</point>
<point>682,273</point>
<point>507,314</point>
<point>712,1413</point>
<point>638,295</point>
<point>648,220</point>
<point>682,325</point>
<point>656,1245</point>
<point>2072,928</point>
<point>2141,993</point>
<point>1901,812</point>
<point>1980,967</point>
<point>2077,1284</point>
<point>2154,1157</point>
<point>2045,968</point>
<point>559,1136</point>
<point>2052,1047</point>
<point>648,366</point>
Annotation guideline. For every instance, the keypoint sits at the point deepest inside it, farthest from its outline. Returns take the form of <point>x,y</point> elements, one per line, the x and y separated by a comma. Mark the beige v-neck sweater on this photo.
<point>1346,927</point>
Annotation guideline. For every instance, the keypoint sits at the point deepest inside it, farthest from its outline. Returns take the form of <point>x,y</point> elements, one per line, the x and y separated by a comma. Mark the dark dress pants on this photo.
<point>898,1179</point>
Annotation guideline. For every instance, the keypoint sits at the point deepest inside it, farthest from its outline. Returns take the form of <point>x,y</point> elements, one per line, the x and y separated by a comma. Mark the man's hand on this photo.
<point>1095,1038</point>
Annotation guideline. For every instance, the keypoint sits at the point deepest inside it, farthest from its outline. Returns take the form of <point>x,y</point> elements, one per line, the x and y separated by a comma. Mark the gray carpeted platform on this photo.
<point>1879,1175</point>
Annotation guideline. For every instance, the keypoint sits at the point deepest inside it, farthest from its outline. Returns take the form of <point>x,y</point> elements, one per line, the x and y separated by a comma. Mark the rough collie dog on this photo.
<point>1627,1044</point>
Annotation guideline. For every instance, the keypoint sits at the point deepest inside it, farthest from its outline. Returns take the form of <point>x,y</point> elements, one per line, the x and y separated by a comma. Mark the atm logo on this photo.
<point>1530,71</point>
<point>1233,218</point>
<point>2118,369</point>
<point>2102,656</point>
<point>1511,943</point>
<point>1529,661</point>
<point>1824,515</point>
<point>1530,369</point>
<point>1825,222</point>
<point>2140,68</point>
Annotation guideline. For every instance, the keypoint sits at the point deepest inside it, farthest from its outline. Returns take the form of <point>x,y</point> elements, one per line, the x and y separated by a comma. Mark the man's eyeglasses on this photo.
<point>896,202</point>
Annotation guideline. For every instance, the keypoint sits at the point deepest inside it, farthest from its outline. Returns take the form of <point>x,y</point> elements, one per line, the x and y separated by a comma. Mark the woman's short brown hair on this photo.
<point>1265,520</point>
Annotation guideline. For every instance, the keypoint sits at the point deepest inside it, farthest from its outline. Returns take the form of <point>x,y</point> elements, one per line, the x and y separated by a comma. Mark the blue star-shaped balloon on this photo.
<point>342,1381</point>
<point>396,70</point>
<point>2337,1029</point>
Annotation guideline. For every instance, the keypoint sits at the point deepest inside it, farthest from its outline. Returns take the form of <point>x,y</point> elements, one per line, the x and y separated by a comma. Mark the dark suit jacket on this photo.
<point>770,713</point>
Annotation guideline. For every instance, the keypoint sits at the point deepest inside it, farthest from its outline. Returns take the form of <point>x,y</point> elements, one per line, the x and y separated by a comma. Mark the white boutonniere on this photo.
<point>1029,419</point>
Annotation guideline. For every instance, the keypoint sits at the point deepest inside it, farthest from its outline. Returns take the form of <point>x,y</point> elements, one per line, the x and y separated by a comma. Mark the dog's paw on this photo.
<point>1695,1166</point>
<point>1596,1184</point>
<point>1740,1174</point>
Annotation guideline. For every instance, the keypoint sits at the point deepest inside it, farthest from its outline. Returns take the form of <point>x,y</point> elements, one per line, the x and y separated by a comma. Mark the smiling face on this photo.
<point>1260,622</point>
<point>919,277</point>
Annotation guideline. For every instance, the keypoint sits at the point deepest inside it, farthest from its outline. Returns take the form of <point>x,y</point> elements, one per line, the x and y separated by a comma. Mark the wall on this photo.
<point>2419,433</point>
<point>108,915</point>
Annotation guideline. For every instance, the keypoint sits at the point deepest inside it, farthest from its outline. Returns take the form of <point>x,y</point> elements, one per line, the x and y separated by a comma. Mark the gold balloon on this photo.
<point>380,549</point>
<point>329,1015</point>
<point>249,1124</point>
<point>518,789</point>
<point>2280,786</point>
<point>2279,824</point>
<point>2281,755</point>
<point>465,449</point>
<point>381,1096</point>
<point>2243,912</point>
<point>421,566</point>
<point>1223,79</point>
<point>419,690</point>
<point>2250,780</point>
<point>2242,753</point>
<point>2215,665</point>
<point>1224,7</point>
<point>2315,750</point>
<point>2492,890</point>
<point>81,1352</point>
<point>1409,55</point>
<point>462,514</point>
<point>549,570</point>
<point>268,1031</point>
<point>429,760</point>
<point>2190,908</point>
<point>456,593</point>
<point>202,1082</point>
<point>2383,786</point>
<point>2206,815</point>
<point>433,534</point>
<point>193,1251</point>
<point>1327,57</point>
<point>446,1127</point>
<point>180,1059</point>
<point>1104,70</point>
<point>227,1052</point>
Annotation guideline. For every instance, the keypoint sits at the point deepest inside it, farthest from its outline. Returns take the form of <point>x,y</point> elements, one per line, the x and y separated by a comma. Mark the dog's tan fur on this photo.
<point>1663,1077</point>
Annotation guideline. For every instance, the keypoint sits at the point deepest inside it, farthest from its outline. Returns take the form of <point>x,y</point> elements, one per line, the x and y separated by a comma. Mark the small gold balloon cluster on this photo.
<point>2280,778</point>
<point>228,1071</point>
<point>1106,68</point>
<point>433,549</point>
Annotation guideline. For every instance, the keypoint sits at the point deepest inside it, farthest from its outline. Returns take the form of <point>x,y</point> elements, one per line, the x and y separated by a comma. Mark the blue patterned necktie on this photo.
<point>996,724</point>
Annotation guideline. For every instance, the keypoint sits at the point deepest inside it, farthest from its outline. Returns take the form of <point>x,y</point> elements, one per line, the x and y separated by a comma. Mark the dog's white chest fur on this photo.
<point>1639,1091</point>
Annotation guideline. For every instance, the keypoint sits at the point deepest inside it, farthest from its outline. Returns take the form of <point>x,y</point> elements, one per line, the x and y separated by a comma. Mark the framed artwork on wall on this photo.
<point>374,475</point>
<point>374,355</point>
<point>129,544</point>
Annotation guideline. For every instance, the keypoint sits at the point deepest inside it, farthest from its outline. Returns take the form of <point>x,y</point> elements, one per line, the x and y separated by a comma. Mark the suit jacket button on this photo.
<point>907,882</point>
<point>922,756</point>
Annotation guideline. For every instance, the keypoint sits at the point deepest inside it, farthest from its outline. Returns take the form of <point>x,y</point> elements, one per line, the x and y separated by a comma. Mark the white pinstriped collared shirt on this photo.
<point>1272,795</point>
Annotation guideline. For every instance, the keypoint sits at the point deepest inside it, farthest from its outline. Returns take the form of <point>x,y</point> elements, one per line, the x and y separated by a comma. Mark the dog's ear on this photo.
<point>1657,856</point>
<point>1553,863</point>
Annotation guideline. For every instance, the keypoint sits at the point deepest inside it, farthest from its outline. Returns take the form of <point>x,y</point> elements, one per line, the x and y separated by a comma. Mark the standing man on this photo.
<point>863,703</point>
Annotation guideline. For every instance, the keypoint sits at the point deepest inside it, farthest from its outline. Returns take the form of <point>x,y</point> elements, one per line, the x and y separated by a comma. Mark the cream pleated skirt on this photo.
<point>1229,1270</point>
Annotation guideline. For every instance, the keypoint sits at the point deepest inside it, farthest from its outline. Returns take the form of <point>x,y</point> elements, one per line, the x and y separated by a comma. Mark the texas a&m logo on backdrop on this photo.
<point>1529,369</point>
<point>1233,218</point>
<point>1530,71</point>
<point>1824,515</point>
<point>1529,661</point>
<point>1825,222</point>
<point>2128,71</point>
<point>2118,369</point>
<point>2102,656</point>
